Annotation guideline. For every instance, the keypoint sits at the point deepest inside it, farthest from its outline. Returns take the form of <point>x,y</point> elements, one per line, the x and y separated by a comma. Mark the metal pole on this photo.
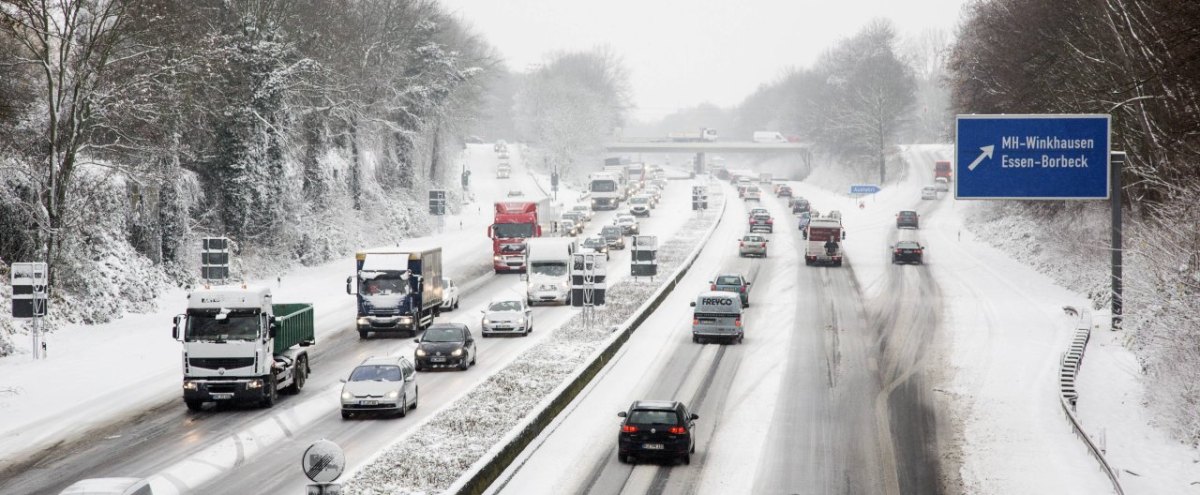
<point>1117,162</point>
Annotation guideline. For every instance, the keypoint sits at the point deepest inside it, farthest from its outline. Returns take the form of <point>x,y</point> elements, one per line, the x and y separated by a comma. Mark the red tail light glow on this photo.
<point>628,429</point>
<point>695,321</point>
<point>677,430</point>
<point>741,243</point>
<point>737,322</point>
<point>897,251</point>
<point>743,289</point>
<point>712,287</point>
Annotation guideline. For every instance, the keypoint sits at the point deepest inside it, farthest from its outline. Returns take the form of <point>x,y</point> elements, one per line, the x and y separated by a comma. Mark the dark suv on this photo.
<point>908,219</point>
<point>800,205</point>
<point>907,252</point>
<point>656,429</point>
<point>613,236</point>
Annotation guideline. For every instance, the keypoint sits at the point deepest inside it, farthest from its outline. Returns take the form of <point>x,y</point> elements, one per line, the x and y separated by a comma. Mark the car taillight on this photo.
<point>677,430</point>
<point>695,321</point>
<point>764,244</point>
<point>918,251</point>
<point>743,289</point>
<point>897,251</point>
<point>741,244</point>
<point>770,221</point>
<point>712,287</point>
<point>737,322</point>
<point>628,429</point>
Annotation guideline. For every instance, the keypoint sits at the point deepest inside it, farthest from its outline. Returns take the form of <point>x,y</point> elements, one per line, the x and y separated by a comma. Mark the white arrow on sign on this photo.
<point>987,153</point>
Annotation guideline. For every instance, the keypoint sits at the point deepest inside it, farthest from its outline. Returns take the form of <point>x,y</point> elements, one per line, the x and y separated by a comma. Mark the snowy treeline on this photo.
<point>1135,60</point>
<point>301,129</point>
<point>566,108</point>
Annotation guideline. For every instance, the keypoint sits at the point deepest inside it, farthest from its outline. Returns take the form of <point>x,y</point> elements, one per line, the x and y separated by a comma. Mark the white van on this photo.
<point>929,192</point>
<point>717,315</point>
<point>769,137</point>
<point>547,273</point>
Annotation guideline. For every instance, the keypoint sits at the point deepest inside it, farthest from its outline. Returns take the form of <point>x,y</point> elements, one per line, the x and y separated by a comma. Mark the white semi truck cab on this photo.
<point>238,346</point>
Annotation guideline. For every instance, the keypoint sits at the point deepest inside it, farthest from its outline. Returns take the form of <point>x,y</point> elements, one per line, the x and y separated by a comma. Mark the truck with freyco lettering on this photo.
<point>604,190</point>
<point>397,289</point>
<point>514,222</point>
<point>241,347</point>
<point>824,246</point>
<point>717,316</point>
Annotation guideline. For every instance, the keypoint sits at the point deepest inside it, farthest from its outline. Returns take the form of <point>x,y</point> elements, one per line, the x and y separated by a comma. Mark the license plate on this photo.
<point>225,396</point>
<point>367,402</point>
<point>438,359</point>
<point>652,446</point>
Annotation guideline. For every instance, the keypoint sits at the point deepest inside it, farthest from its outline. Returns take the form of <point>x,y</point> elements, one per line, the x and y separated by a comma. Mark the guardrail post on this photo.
<point>1117,162</point>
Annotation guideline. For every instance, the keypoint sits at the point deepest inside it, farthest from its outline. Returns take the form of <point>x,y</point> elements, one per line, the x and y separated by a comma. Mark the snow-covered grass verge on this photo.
<point>460,437</point>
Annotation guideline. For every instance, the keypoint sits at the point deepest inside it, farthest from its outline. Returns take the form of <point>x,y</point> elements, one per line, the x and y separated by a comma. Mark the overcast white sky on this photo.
<point>684,52</point>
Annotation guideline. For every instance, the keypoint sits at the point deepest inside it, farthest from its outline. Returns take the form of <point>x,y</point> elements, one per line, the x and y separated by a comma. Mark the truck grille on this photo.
<point>215,363</point>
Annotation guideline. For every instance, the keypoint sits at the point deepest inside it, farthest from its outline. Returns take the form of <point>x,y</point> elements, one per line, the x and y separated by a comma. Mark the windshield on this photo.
<point>611,231</point>
<point>644,417</point>
<point>727,280</point>
<point>442,334</point>
<point>237,325</point>
<point>386,283</point>
<point>639,200</point>
<point>604,186</point>
<point>376,373</point>
<point>506,305</point>
<point>548,268</point>
<point>594,242</point>
<point>753,238</point>
<point>513,230</point>
<point>580,208</point>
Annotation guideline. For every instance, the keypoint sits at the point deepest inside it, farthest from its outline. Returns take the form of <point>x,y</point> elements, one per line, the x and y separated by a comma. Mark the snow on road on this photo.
<point>97,375</point>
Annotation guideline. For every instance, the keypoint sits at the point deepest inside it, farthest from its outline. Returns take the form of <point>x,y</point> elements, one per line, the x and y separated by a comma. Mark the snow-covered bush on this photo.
<point>431,458</point>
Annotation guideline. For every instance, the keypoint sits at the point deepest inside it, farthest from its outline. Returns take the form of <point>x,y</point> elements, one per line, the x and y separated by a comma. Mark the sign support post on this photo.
<point>1117,161</point>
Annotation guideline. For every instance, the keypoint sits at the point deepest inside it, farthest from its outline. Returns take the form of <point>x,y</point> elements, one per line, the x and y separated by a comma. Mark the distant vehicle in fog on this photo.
<point>769,137</point>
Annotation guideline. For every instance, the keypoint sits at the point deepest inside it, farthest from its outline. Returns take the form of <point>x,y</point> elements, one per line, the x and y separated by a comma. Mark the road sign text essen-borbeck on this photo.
<point>1032,157</point>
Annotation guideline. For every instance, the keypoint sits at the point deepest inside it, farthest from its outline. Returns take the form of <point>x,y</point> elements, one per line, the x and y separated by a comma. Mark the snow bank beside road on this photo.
<point>432,458</point>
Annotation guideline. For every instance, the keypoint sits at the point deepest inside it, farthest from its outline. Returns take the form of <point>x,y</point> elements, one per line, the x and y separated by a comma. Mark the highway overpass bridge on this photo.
<point>700,148</point>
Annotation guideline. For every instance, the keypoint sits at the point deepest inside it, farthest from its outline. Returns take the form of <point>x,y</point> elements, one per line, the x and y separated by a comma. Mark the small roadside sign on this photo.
<point>1032,157</point>
<point>864,189</point>
<point>323,461</point>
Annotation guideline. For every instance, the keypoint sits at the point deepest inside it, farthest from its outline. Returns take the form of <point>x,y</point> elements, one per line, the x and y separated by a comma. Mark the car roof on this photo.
<point>662,405</point>
<point>907,212</point>
<point>593,238</point>
<point>908,243</point>
<point>378,360</point>
<point>719,275</point>
<point>504,299</point>
<point>459,326</point>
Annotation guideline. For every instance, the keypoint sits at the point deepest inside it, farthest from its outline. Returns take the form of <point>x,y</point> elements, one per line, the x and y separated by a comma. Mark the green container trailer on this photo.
<point>293,325</point>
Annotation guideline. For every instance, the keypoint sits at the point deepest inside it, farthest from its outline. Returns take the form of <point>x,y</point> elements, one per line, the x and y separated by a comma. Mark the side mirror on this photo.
<point>343,380</point>
<point>621,414</point>
<point>692,304</point>
<point>272,327</point>
<point>175,326</point>
<point>695,416</point>
<point>411,377</point>
<point>350,285</point>
<point>483,311</point>
<point>417,340</point>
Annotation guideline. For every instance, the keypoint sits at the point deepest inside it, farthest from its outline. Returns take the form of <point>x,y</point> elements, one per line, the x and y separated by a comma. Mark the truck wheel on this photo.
<point>362,334</point>
<point>193,405</point>
<point>270,393</point>
<point>298,377</point>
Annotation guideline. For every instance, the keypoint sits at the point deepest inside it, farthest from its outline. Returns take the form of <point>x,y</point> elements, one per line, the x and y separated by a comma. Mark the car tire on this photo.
<point>456,303</point>
<point>464,365</point>
<point>270,394</point>
<point>362,334</point>
<point>623,459</point>
<point>695,339</point>
<point>416,397</point>
<point>403,405</point>
<point>194,405</point>
<point>687,459</point>
<point>417,366</point>
<point>347,414</point>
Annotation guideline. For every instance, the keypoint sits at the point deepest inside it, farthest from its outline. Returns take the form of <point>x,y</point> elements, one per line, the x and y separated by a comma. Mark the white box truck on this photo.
<point>548,269</point>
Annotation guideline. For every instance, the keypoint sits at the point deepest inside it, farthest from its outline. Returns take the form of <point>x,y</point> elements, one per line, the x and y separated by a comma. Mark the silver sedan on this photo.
<point>752,244</point>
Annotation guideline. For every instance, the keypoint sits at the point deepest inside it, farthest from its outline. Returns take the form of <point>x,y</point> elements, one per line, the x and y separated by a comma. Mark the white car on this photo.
<point>941,184</point>
<point>585,210</point>
<point>449,294</point>
<point>595,244</point>
<point>511,316</point>
<point>109,486</point>
<point>752,193</point>
<point>639,205</point>
<point>386,384</point>
<point>929,192</point>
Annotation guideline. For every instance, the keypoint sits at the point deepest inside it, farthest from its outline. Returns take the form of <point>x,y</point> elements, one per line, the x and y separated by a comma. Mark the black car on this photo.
<point>614,235</point>
<point>800,205</point>
<point>784,192</point>
<point>656,429</point>
<point>907,252</point>
<point>908,219</point>
<point>445,345</point>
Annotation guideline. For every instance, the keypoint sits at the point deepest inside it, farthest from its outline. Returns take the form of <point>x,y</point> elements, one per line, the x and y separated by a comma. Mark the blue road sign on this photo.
<point>1032,157</point>
<point>863,189</point>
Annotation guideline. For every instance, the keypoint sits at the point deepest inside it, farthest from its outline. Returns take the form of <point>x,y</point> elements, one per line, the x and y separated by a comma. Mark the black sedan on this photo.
<point>656,429</point>
<point>908,219</point>
<point>907,252</point>
<point>445,345</point>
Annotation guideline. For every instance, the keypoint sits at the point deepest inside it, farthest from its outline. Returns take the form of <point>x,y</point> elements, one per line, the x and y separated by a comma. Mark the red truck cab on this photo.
<point>942,169</point>
<point>514,222</point>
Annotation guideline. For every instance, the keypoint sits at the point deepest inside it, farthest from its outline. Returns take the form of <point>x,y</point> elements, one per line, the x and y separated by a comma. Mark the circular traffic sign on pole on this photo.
<point>323,461</point>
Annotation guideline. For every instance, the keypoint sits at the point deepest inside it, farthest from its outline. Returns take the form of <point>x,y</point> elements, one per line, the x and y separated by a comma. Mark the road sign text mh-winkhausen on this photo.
<point>1032,156</point>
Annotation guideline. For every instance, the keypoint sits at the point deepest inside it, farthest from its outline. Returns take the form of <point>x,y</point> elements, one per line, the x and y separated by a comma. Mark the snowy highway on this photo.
<point>805,405</point>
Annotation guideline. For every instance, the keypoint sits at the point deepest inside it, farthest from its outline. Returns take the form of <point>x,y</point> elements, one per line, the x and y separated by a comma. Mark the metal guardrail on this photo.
<point>1068,371</point>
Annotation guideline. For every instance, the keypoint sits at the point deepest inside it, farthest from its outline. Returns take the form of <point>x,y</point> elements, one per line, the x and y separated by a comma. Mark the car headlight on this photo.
<point>457,352</point>
<point>420,352</point>
<point>487,321</point>
<point>191,386</point>
<point>497,258</point>
<point>346,395</point>
<point>364,321</point>
<point>393,394</point>
<point>254,384</point>
<point>521,320</point>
